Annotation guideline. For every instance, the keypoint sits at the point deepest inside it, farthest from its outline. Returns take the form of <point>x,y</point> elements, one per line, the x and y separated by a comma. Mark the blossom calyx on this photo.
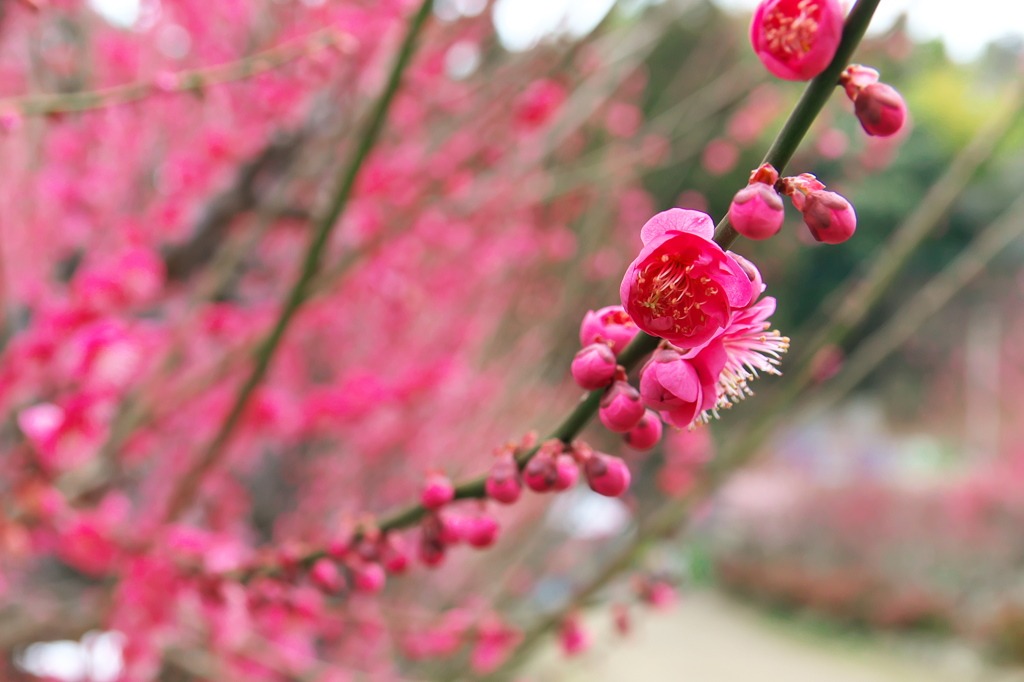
<point>796,39</point>
<point>683,286</point>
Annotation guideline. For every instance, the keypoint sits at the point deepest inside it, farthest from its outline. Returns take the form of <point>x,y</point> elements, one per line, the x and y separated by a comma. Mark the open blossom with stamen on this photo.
<point>750,350</point>
<point>683,286</point>
<point>796,39</point>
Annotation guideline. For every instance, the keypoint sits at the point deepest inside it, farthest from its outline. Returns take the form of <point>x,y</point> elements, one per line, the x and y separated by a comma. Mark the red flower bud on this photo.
<point>503,484</point>
<point>566,472</point>
<point>594,367</point>
<point>880,109</point>
<point>608,476</point>
<point>621,408</point>
<point>646,434</point>
<point>757,211</point>
<point>326,576</point>
<point>830,217</point>
<point>437,492</point>
<point>368,577</point>
<point>482,531</point>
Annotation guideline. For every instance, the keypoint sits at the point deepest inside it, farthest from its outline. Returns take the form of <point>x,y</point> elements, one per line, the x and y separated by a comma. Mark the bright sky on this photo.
<point>521,23</point>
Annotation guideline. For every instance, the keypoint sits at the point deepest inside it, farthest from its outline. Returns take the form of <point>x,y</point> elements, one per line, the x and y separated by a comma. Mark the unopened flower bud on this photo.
<point>503,484</point>
<point>621,408</point>
<point>594,367</point>
<point>394,554</point>
<point>567,472</point>
<point>757,211</point>
<point>431,548</point>
<point>326,576</point>
<point>452,528</point>
<point>482,531</point>
<point>623,623</point>
<point>647,433</point>
<point>431,552</point>
<point>607,475</point>
<point>368,577</point>
<point>437,492</point>
<point>660,594</point>
<point>830,217</point>
<point>881,110</point>
<point>572,637</point>
<point>610,325</point>
<point>541,473</point>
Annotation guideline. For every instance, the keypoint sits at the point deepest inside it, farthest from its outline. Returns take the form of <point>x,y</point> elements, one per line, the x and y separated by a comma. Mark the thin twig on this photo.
<point>185,489</point>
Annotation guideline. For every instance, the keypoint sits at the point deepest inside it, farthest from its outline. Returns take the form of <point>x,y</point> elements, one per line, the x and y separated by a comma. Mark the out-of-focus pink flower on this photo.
<point>572,637</point>
<point>796,39</point>
<point>610,325</point>
<point>539,103</point>
<point>682,287</point>
<point>720,156</point>
<point>494,642</point>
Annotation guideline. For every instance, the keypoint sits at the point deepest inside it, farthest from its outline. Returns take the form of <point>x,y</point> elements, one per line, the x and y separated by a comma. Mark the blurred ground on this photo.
<point>710,638</point>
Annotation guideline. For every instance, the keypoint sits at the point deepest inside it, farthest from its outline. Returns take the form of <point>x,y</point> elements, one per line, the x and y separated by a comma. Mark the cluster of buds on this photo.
<point>879,107</point>
<point>604,334</point>
<point>358,564</point>
<point>555,467</point>
<point>757,212</point>
<point>442,529</point>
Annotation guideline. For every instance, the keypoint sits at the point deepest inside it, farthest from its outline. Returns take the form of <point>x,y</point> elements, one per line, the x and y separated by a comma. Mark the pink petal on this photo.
<point>678,220</point>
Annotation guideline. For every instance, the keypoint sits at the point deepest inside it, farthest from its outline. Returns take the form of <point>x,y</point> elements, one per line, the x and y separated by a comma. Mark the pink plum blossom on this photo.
<point>682,287</point>
<point>796,39</point>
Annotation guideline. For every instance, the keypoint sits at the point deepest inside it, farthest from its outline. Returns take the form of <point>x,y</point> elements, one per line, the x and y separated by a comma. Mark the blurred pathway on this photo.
<point>710,638</point>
